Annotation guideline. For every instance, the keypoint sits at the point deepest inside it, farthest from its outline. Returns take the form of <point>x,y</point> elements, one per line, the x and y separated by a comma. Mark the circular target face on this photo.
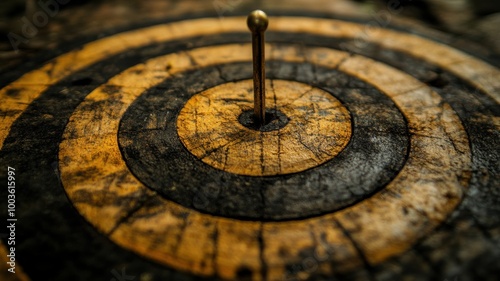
<point>141,147</point>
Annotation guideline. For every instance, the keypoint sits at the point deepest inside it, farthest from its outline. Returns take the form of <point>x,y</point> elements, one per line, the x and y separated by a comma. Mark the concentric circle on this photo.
<point>125,170</point>
<point>319,128</point>
<point>443,156</point>
<point>150,147</point>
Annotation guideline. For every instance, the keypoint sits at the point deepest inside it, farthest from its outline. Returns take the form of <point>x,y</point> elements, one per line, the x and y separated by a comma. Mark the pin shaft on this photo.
<point>257,23</point>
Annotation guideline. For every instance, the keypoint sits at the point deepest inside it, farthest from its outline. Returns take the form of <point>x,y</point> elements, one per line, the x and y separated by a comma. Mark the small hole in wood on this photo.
<point>437,80</point>
<point>82,81</point>
<point>275,120</point>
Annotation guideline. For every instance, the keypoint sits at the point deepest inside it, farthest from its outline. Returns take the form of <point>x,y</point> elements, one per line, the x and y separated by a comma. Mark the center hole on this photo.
<point>275,120</point>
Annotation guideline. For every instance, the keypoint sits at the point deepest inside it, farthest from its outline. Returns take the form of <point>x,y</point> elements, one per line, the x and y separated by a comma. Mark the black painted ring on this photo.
<point>376,152</point>
<point>33,143</point>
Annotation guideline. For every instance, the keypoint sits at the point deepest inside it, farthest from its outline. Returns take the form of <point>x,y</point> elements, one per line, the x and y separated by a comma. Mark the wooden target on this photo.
<point>133,153</point>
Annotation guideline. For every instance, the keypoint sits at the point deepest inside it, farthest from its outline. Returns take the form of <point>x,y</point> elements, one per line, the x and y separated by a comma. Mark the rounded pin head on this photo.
<point>257,21</point>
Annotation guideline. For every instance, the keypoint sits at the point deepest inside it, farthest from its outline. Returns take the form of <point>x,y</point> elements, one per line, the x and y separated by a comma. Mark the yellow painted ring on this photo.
<point>319,128</point>
<point>430,140</point>
<point>32,84</point>
<point>428,187</point>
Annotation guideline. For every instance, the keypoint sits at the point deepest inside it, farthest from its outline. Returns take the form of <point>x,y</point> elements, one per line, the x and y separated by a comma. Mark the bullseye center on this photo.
<point>275,120</point>
<point>305,127</point>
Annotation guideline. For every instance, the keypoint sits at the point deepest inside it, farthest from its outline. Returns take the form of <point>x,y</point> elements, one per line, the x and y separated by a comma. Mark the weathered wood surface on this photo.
<point>314,129</point>
<point>86,129</point>
<point>362,170</point>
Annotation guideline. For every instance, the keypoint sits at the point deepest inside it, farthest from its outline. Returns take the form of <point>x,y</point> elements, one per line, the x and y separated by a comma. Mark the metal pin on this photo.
<point>257,23</point>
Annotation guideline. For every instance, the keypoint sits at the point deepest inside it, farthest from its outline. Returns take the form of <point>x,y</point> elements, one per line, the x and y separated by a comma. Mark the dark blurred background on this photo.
<point>474,21</point>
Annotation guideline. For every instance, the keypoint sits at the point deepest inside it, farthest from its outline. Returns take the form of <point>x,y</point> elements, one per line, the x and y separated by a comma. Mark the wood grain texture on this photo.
<point>319,128</point>
<point>439,146</point>
<point>479,73</point>
<point>378,237</point>
<point>150,147</point>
